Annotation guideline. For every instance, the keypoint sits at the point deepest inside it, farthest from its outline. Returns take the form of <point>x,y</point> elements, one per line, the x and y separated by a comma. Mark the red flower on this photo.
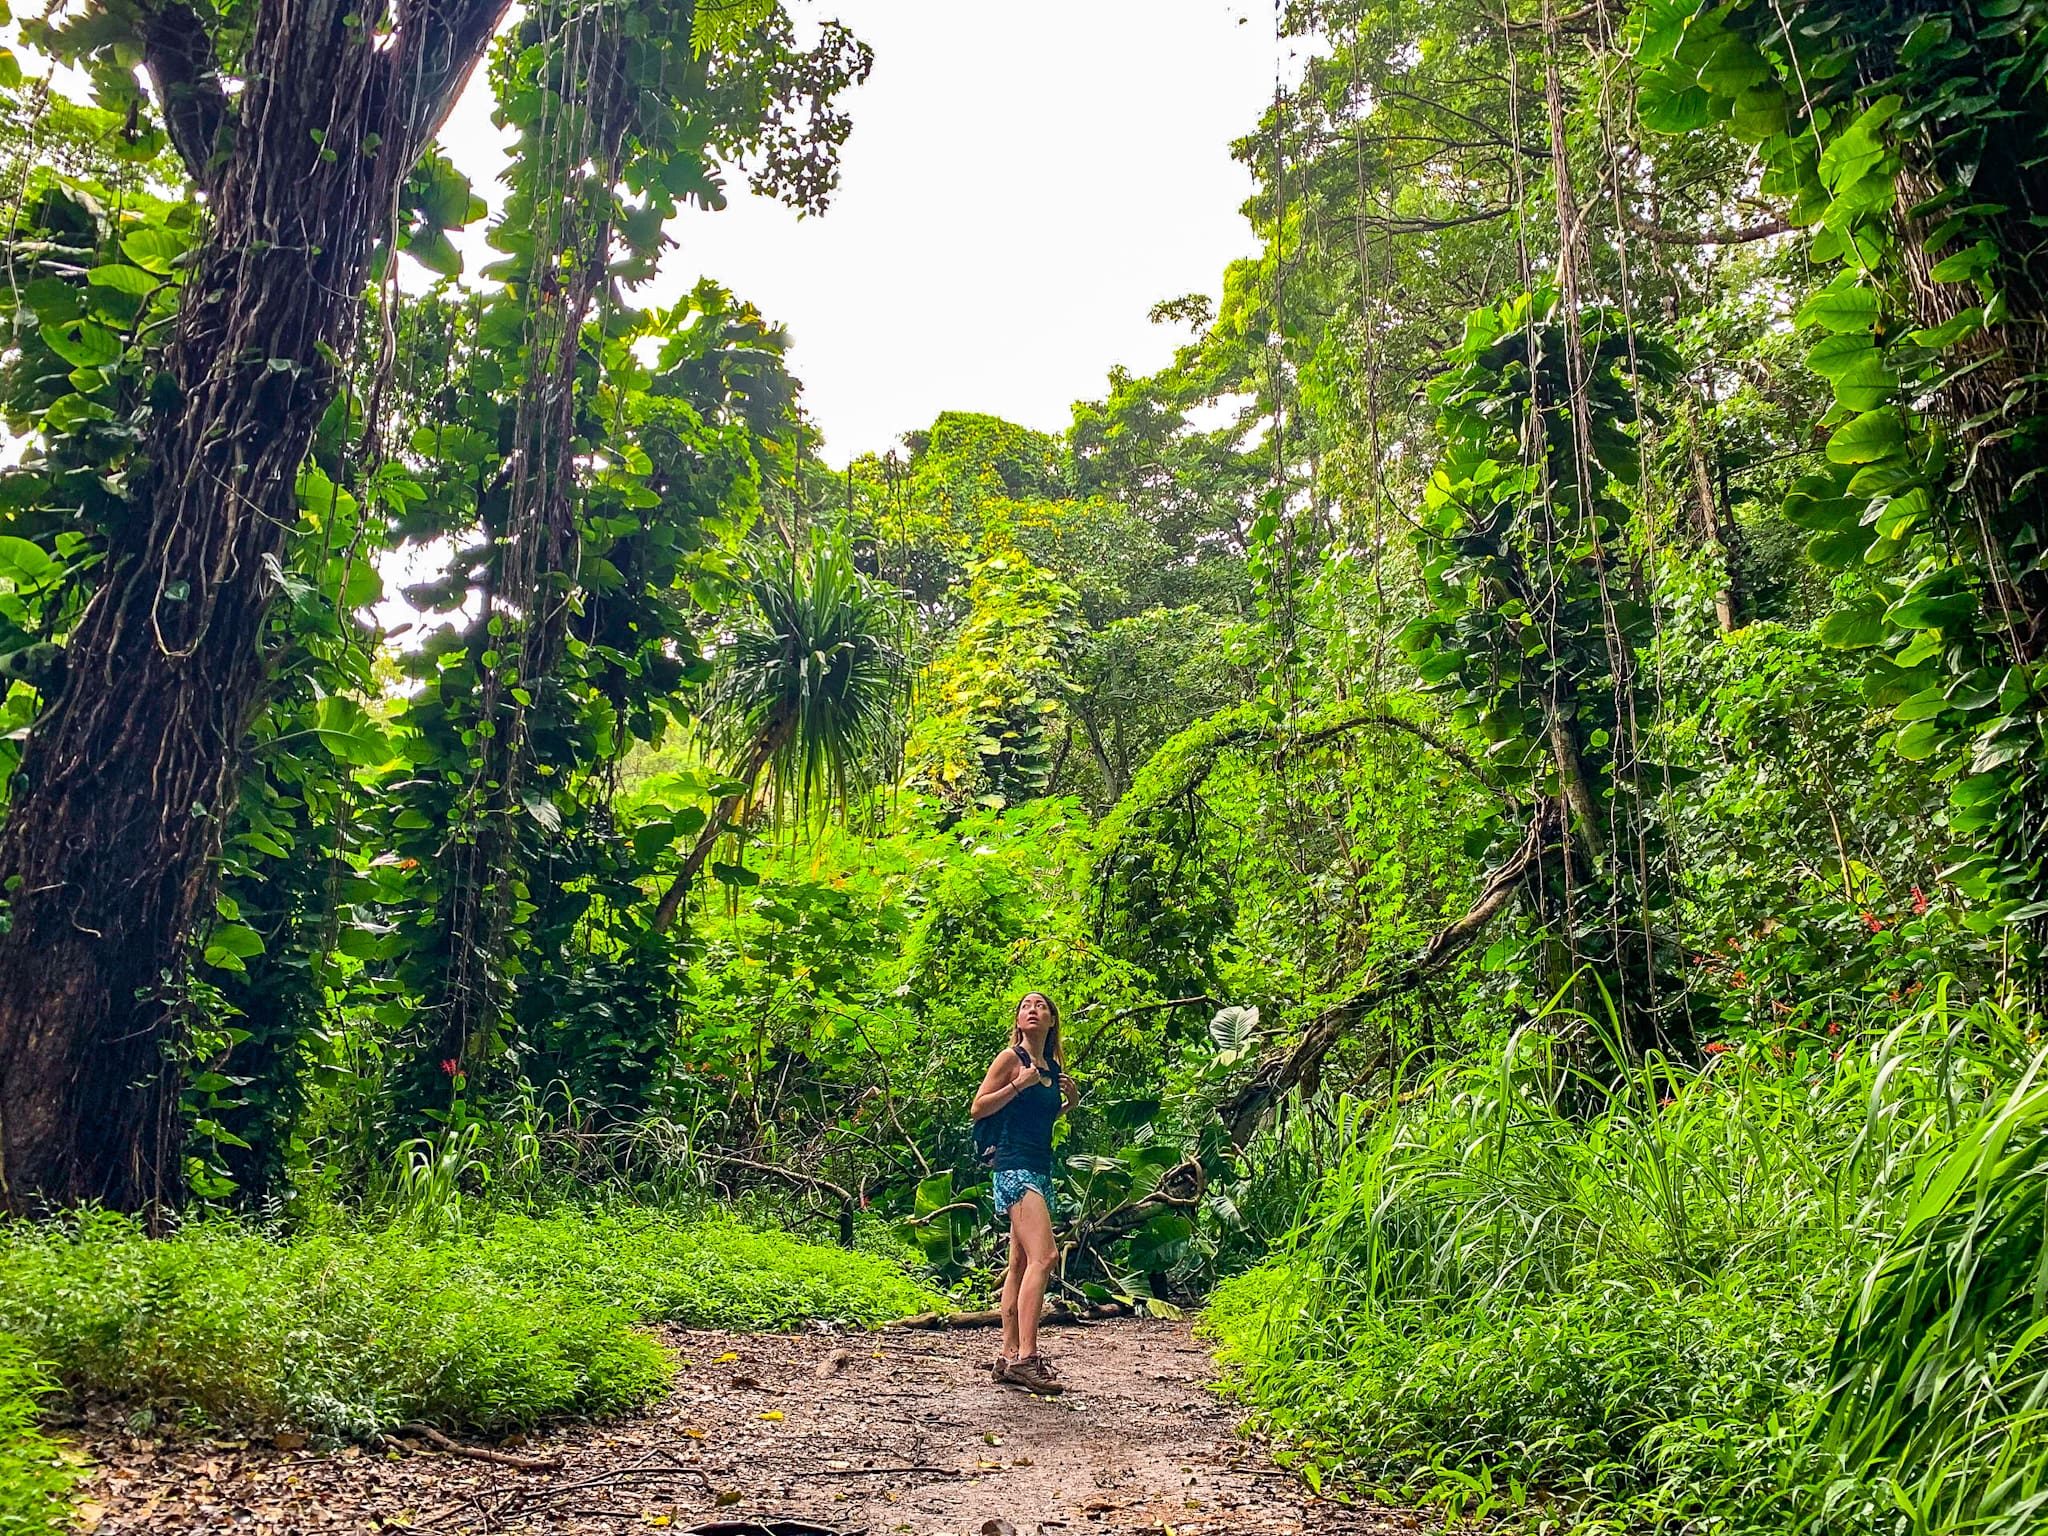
<point>1919,902</point>
<point>1871,922</point>
<point>451,1066</point>
<point>1834,1029</point>
<point>1741,978</point>
<point>1715,1047</point>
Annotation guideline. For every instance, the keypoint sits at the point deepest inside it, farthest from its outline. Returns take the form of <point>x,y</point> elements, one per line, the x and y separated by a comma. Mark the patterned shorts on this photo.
<point>1011,1184</point>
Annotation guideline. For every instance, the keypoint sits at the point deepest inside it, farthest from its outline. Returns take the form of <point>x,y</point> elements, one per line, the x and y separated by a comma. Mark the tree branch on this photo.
<point>810,1180</point>
<point>177,51</point>
<point>1282,1070</point>
<point>1749,235</point>
<point>1131,1012</point>
<point>1393,226</point>
<point>453,35</point>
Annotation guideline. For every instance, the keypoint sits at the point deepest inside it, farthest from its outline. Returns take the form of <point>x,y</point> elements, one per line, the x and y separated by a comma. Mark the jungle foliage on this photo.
<point>1520,755</point>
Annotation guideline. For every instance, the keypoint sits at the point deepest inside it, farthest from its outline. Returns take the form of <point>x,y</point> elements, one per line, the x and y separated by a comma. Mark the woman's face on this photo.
<point>1034,1013</point>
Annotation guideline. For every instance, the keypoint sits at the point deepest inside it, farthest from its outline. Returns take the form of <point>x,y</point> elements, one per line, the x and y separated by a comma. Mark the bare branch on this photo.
<point>452,36</point>
<point>1745,236</point>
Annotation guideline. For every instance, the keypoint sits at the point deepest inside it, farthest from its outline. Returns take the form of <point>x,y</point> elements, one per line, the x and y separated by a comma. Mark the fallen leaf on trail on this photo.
<point>694,1434</point>
<point>997,1528</point>
<point>656,1517</point>
<point>728,1497</point>
<point>727,1358</point>
<point>744,1383</point>
<point>773,1415</point>
<point>989,1438</point>
<point>288,1440</point>
<point>838,1466</point>
<point>86,1514</point>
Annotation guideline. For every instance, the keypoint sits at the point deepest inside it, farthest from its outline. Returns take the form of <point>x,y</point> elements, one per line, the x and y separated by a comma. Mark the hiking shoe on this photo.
<point>996,1367</point>
<point>1033,1375</point>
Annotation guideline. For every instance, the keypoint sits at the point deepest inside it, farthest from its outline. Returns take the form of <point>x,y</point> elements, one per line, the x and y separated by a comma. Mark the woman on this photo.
<point>1027,1085</point>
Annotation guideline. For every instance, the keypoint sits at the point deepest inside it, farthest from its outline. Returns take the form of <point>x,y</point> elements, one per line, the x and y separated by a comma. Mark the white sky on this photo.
<point>1022,184</point>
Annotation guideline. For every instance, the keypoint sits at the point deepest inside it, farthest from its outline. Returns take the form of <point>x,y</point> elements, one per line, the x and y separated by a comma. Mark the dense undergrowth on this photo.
<point>347,1331</point>
<point>32,1474</point>
<point>1508,1303</point>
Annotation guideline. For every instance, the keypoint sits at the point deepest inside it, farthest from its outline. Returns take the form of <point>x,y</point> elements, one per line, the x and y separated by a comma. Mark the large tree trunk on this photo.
<point>129,778</point>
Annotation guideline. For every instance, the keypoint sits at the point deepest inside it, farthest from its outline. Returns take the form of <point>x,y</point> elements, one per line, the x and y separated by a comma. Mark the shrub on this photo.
<point>347,1331</point>
<point>32,1477</point>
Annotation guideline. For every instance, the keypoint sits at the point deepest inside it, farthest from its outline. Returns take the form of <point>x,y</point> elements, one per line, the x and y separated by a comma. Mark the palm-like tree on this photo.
<point>806,685</point>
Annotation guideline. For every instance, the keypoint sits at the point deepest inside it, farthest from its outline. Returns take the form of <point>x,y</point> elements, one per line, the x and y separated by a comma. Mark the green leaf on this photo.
<point>1919,740</point>
<point>122,279</point>
<point>1965,264</point>
<point>1760,111</point>
<point>1941,611</point>
<point>432,249</point>
<point>1868,438</point>
<point>230,945</point>
<point>1842,548</point>
<point>1853,628</point>
<point>1949,332</point>
<point>1686,110</point>
<point>1235,1029</point>
<point>1842,306</point>
<point>25,563</point>
<point>734,874</point>
<point>83,343</point>
<point>153,248</point>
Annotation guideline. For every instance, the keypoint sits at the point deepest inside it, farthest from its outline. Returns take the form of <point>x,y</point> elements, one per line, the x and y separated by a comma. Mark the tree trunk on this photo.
<point>1717,536</point>
<point>540,542</point>
<point>721,818</point>
<point>128,779</point>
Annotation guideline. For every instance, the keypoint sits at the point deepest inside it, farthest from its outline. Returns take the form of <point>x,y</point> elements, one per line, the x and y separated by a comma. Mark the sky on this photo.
<point>1023,183</point>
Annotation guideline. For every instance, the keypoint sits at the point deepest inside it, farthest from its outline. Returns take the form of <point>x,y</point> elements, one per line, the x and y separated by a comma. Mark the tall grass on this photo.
<point>1798,1288</point>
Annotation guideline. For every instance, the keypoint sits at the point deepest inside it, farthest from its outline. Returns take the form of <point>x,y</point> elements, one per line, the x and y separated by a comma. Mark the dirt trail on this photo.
<point>903,1434</point>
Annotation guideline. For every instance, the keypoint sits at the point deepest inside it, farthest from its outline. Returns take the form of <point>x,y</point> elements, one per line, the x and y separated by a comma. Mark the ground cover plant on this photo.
<point>346,1330</point>
<point>33,1475</point>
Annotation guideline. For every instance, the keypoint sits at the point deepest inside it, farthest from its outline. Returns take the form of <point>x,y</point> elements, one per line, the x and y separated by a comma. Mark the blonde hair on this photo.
<point>1054,1049</point>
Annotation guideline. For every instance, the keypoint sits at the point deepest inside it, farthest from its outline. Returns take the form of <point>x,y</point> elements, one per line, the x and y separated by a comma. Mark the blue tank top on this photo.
<point>1026,1141</point>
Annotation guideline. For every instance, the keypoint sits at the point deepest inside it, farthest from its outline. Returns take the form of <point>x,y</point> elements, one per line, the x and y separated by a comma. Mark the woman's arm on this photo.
<point>1070,1091</point>
<point>1002,1083</point>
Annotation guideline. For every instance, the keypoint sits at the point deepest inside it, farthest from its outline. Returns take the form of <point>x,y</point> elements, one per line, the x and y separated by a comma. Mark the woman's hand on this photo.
<point>1070,1091</point>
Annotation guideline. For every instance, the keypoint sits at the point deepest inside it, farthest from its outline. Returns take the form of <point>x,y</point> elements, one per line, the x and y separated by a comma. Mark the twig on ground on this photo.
<point>441,1442</point>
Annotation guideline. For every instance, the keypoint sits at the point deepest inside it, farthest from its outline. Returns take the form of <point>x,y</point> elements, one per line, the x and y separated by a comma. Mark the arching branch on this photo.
<point>1280,1071</point>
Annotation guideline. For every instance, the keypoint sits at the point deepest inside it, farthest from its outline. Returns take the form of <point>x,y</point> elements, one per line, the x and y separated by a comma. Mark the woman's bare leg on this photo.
<point>1030,1230</point>
<point>1013,1283</point>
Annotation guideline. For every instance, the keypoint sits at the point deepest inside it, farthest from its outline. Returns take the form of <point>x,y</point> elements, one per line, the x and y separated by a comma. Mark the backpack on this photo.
<point>988,1130</point>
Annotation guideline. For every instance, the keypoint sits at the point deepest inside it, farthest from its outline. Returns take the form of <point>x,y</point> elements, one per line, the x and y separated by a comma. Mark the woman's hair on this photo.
<point>1053,1047</point>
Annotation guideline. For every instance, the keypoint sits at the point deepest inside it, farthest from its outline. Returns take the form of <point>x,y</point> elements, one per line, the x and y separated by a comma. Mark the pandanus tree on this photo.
<point>807,681</point>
